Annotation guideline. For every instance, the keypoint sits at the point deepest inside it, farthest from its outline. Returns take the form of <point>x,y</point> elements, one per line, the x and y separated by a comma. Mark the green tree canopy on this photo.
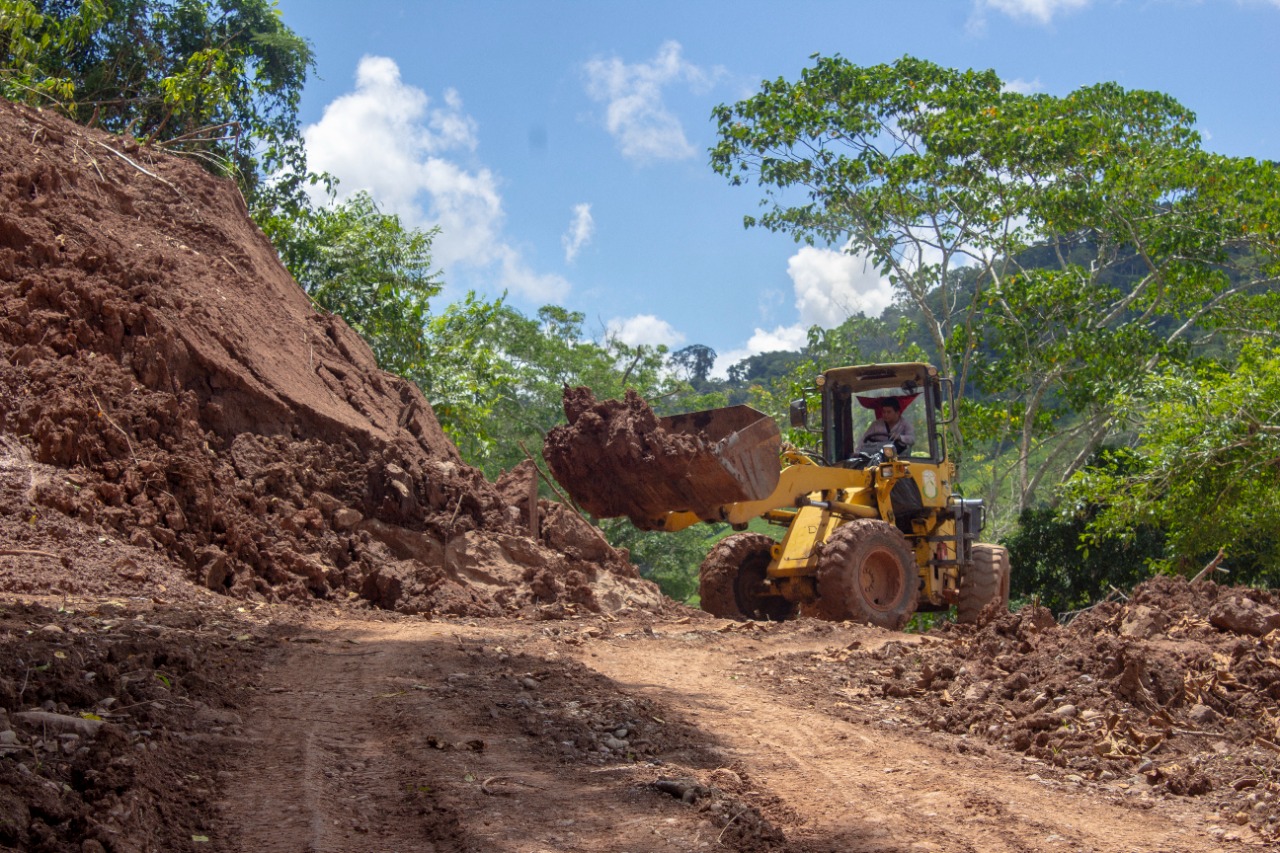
<point>218,78</point>
<point>365,266</point>
<point>696,360</point>
<point>1205,466</point>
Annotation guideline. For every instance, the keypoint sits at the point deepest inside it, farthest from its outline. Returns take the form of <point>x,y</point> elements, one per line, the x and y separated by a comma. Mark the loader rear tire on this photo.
<point>868,573</point>
<point>731,583</point>
<point>985,580</point>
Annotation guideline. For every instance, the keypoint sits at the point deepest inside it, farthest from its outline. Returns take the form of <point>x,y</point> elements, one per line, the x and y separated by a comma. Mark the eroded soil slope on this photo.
<point>177,390</point>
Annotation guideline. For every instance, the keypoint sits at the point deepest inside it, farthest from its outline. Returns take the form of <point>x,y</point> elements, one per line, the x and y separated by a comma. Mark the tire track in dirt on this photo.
<point>317,778</point>
<point>440,736</point>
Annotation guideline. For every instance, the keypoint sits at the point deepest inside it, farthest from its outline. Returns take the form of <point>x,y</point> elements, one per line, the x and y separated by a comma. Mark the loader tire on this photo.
<point>731,582</point>
<point>868,573</point>
<point>985,580</point>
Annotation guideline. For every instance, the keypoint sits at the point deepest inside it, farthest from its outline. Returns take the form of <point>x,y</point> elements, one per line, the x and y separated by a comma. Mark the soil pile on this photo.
<point>164,383</point>
<point>617,458</point>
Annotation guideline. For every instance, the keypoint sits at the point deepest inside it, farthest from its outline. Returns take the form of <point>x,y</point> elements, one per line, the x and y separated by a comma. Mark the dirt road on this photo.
<point>549,736</point>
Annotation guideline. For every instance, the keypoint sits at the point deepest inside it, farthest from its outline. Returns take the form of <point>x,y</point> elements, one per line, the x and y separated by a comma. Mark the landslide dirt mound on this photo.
<point>166,385</point>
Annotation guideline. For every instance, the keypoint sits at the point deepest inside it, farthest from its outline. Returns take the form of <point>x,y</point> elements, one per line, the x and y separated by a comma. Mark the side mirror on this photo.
<point>945,394</point>
<point>799,414</point>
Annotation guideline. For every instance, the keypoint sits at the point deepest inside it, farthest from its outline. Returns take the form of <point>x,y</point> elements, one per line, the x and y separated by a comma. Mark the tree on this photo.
<point>886,165</point>
<point>221,79</point>
<point>543,354</point>
<point>364,265</point>
<point>1075,242</point>
<point>1205,465</point>
<point>696,360</point>
<point>764,367</point>
<point>461,367</point>
<point>1050,557</point>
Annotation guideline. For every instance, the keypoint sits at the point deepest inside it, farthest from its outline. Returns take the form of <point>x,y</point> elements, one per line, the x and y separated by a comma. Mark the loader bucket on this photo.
<point>616,458</point>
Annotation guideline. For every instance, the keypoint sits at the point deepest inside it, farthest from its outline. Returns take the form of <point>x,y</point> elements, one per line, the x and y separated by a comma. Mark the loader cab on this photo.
<point>852,398</point>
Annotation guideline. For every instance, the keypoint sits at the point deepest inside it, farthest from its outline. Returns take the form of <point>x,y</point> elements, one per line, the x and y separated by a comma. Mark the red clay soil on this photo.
<point>184,437</point>
<point>617,458</point>
<point>1175,692</point>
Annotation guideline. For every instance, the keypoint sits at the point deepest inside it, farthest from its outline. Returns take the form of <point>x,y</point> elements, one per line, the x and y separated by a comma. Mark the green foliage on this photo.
<point>221,79</point>
<point>890,162</point>
<point>764,367</point>
<point>37,48</point>
<point>365,266</point>
<point>460,371</point>
<point>695,361</point>
<point>1204,466</point>
<point>671,560</point>
<point>543,354</point>
<point>1050,560</point>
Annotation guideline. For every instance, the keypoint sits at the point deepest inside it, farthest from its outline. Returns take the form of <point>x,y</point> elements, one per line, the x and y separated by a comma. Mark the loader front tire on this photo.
<point>868,573</point>
<point>731,582</point>
<point>984,581</point>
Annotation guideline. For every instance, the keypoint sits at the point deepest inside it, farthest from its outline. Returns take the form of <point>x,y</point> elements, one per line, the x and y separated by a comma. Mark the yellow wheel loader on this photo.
<point>874,531</point>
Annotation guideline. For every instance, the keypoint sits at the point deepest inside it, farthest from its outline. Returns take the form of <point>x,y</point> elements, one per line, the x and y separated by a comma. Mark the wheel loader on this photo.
<point>873,532</point>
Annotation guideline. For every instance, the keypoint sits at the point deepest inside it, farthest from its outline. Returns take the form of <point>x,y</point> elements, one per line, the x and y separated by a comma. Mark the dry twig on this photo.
<point>484,786</point>
<point>1065,618</point>
<point>138,167</point>
<point>1212,566</point>
<point>104,414</point>
<point>720,837</point>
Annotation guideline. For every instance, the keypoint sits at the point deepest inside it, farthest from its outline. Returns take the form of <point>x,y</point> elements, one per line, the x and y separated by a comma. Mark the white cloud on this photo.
<point>791,338</point>
<point>832,286</point>
<point>516,275</point>
<point>581,229</point>
<point>779,339</point>
<point>387,137</point>
<point>643,329</point>
<point>1041,11</point>
<point>829,288</point>
<point>1028,87</point>
<point>635,113</point>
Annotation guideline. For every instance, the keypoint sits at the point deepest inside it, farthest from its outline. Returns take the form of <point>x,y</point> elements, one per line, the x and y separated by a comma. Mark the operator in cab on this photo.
<point>889,428</point>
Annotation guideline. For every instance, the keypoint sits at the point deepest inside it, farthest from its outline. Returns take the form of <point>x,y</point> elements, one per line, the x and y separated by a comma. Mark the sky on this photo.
<point>561,146</point>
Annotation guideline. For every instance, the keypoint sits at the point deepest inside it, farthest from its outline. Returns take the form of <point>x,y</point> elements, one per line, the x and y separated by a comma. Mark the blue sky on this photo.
<point>561,145</point>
